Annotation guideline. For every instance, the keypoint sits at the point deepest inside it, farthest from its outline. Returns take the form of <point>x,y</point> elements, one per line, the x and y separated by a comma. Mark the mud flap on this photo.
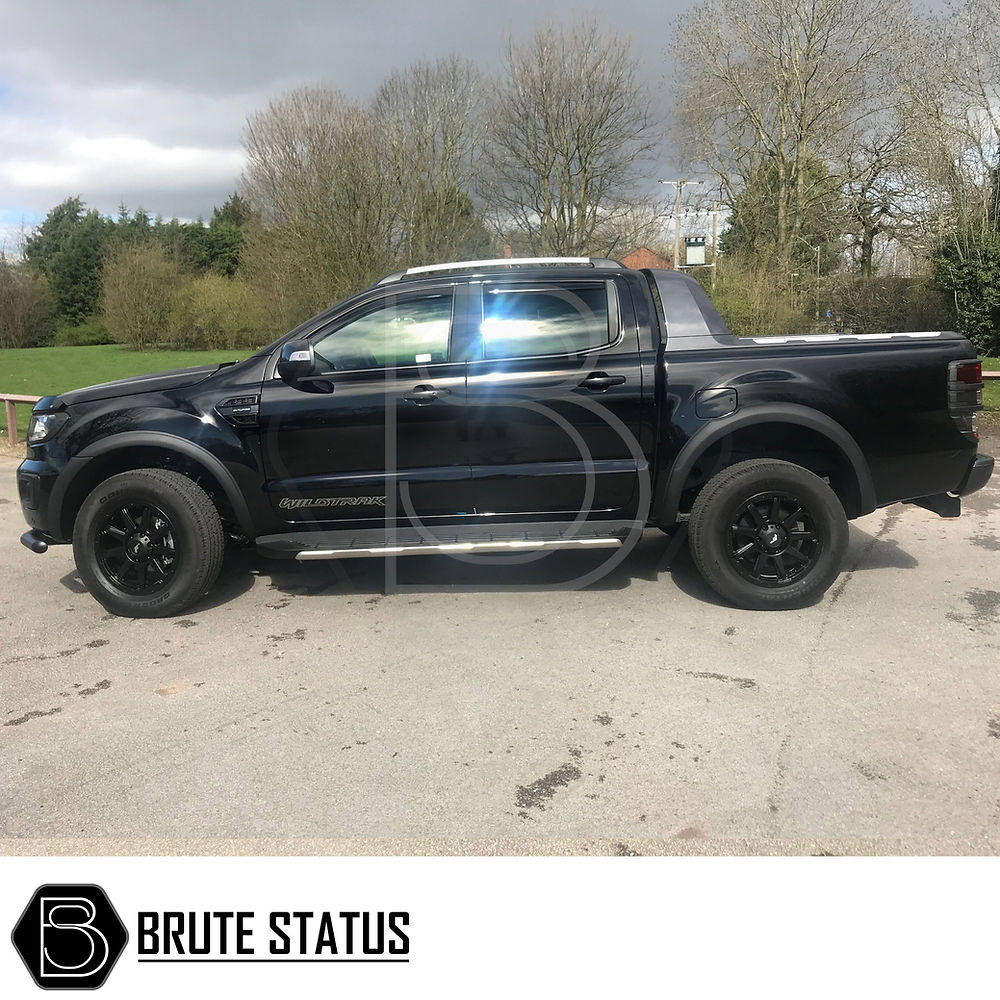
<point>942,504</point>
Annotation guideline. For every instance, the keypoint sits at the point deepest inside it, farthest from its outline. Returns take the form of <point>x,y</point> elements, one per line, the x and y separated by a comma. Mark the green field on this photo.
<point>44,371</point>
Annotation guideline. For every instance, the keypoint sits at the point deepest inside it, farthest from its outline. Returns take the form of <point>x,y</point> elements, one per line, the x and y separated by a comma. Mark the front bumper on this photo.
<point>35,482</point>
<point>37,541</point>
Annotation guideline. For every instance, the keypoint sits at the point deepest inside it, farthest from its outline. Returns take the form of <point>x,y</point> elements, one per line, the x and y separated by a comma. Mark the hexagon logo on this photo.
<point>69,937</point>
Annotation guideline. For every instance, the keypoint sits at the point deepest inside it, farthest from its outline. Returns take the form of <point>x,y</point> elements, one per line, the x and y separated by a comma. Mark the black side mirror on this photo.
<point>296,360</point>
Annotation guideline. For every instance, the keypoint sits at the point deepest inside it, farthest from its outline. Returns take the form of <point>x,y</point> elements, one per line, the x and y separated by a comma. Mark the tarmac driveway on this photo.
<point>301,709</point>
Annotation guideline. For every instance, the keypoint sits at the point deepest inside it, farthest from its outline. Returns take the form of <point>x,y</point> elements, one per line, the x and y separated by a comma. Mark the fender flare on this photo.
<point>666,507</point>
<point>168,442</point>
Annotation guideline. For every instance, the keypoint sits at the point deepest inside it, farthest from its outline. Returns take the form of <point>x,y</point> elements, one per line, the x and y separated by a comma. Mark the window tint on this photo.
<point>390,334</point>
<point>521,321</point>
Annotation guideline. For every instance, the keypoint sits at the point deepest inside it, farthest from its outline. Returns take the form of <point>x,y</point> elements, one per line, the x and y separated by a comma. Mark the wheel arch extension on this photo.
<point>146,449</point>
<point>857,493</point>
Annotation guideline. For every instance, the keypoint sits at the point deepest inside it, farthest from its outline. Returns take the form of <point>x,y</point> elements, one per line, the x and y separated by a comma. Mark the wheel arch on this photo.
<point>147,449</point>
<point>855,490</point>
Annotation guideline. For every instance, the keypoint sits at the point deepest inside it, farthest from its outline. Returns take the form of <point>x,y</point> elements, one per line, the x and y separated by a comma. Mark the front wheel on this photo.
<point>148,543</point>
<point>768,535</point>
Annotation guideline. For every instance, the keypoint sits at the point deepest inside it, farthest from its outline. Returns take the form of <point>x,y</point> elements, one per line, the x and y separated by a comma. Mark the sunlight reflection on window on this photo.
<point>534,322</point>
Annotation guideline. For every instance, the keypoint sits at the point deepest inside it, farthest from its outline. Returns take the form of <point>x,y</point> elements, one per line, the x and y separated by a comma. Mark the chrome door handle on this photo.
<point>424,394</point>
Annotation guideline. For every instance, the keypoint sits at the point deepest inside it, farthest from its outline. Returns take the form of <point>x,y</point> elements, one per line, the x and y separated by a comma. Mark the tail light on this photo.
<point>969,372</point>
<point>965,395</point>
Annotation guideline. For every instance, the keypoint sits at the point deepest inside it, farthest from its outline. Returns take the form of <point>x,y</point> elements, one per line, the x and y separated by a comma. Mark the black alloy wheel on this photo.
<point>773,540</point>
<point>135,548</point>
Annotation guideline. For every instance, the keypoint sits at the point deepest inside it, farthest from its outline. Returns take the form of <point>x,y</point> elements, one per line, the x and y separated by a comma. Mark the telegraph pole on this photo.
<point>817,284</point>
<point>816,250</point>
<point>679,184</point>
<point>715,241</point>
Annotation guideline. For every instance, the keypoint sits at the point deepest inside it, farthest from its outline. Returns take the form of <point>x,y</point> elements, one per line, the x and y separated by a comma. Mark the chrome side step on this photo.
<point>445,539</point>
<point>455,548</point>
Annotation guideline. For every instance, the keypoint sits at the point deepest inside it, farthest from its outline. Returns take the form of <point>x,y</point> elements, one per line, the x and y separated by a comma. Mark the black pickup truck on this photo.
<point>495,408</point>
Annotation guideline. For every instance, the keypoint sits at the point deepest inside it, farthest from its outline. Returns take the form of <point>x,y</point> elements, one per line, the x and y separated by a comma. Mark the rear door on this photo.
<point>379,431</point>
<point>553,398</point>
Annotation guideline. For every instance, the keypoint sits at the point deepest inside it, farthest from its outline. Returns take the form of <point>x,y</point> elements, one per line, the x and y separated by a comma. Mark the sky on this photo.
<point>143,102</point>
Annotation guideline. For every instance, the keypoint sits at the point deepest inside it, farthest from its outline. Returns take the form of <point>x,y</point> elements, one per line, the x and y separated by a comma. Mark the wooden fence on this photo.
<point>10,400</point>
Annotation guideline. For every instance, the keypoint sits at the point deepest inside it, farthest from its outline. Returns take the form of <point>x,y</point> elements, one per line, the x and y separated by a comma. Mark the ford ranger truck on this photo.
<point>502,410</point>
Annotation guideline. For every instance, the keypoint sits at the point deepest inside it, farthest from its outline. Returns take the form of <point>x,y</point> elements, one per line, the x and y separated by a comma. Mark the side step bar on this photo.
<point>452,548</point>
<point>445,540</point>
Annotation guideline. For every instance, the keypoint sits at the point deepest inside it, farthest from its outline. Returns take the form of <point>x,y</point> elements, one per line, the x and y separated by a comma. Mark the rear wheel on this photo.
<point>768,535</point>
<point>148,543</point>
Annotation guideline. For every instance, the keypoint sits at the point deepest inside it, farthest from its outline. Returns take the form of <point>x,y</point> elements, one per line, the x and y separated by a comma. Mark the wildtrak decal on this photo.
<point>289,503</point>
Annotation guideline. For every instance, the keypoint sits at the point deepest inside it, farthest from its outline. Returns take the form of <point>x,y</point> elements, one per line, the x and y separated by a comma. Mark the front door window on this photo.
<point>393,333</point>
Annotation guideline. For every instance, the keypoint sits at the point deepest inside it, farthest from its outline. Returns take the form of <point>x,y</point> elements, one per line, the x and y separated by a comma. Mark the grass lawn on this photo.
<point>991,389</point>
<point>44,371</point>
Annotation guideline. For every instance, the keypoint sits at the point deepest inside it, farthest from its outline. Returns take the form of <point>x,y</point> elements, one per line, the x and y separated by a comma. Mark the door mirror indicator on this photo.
<point>296,360</point>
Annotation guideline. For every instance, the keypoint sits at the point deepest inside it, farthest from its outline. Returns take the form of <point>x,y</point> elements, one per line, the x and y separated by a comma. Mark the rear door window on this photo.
<point>523,321</point>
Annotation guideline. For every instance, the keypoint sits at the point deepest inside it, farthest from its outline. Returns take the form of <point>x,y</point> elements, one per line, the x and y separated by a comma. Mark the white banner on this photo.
<point>501,927</point>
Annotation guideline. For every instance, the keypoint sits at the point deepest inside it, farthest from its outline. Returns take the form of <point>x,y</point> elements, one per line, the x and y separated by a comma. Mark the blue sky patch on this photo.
<point>11,215</point>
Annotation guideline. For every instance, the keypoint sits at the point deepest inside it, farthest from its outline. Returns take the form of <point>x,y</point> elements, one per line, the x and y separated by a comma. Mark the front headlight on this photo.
<point>44,426</point>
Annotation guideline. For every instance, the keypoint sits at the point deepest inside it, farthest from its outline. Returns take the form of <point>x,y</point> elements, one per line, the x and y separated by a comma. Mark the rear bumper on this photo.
<point>950,504</point>
<point>978,475</point>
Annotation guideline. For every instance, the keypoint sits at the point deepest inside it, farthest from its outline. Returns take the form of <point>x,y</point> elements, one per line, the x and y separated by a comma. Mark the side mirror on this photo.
<point>296,360</point>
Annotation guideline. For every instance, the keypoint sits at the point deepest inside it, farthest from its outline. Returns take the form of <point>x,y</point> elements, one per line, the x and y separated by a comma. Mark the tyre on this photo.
<point>768,535</point>
<point>148,543</point>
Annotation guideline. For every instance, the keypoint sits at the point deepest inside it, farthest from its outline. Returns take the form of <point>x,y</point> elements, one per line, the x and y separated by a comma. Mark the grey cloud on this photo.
<point>184,75</point>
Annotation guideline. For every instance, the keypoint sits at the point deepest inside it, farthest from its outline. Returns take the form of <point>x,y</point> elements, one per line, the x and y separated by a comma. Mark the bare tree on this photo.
<point>956,137</point>
<point>638,222</point>
<point>137,286</point>
<point>875,190</point>
<point>568,126</point>
<point>316,176</point>
<point>771,88</point>
<point>431,117</point>
<point>958,148</point>
<point>26,306</point>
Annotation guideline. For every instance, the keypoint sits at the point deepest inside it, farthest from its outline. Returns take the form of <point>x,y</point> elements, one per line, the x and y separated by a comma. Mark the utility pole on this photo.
<point>679,184</point>
<point>715,241</point>
<point>817,284</point>
<point>816,250</point>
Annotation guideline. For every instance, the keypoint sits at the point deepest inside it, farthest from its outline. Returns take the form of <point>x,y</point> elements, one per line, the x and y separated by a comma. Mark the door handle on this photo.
<point>424,394</point>
<point>600,381</point>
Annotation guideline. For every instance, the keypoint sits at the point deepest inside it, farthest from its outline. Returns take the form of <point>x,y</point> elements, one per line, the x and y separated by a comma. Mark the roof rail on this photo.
<point>468,265</point>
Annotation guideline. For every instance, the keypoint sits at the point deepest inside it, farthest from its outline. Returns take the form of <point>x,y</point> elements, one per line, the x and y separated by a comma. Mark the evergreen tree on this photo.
<point>67,249</point>
<point>235,211</point>
<point>967,266</point>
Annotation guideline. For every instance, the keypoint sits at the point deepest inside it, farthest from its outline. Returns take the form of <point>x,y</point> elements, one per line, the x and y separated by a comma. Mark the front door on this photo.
<point>554,400</point>
<point>378,432</point>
